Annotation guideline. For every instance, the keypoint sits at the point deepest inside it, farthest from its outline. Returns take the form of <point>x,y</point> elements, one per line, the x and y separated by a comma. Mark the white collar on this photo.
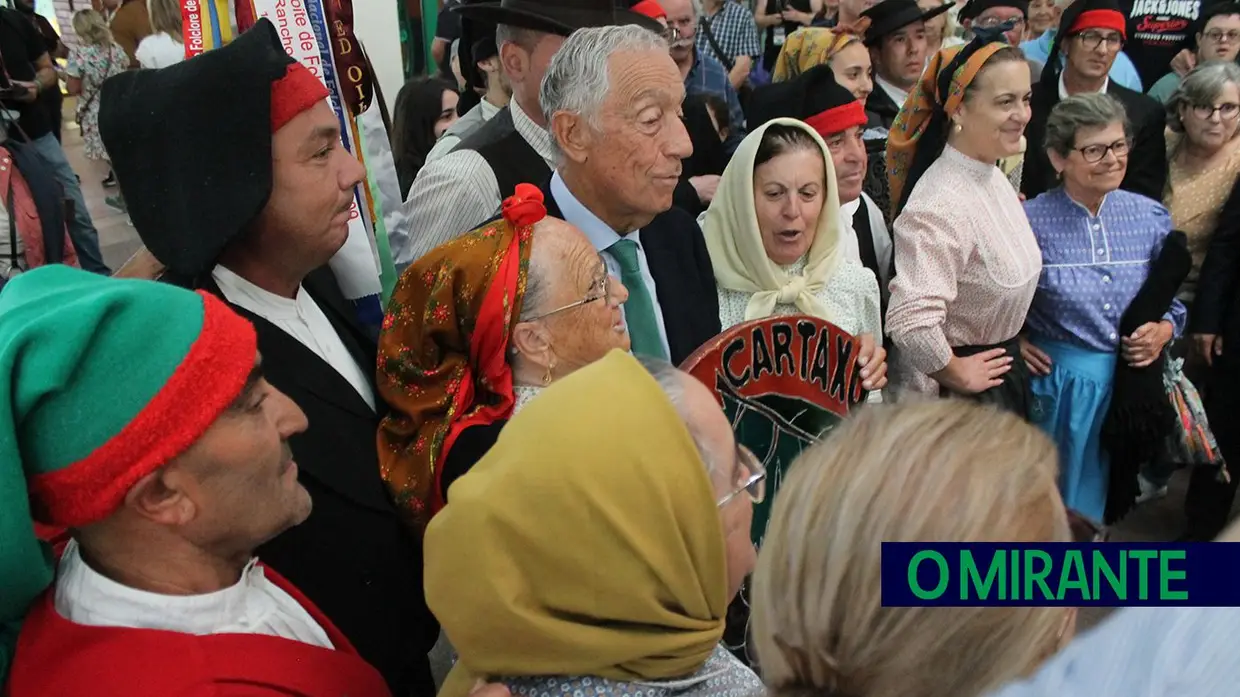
<point>1063,89</point>
<point>240,291</point>
<point>897,95</point>
<point>848,210</point>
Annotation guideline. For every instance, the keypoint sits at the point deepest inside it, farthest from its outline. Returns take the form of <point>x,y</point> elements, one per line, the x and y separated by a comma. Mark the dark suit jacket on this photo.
<point>683,276</point>
<point>353,557</point>
<point>1147,161</point>
<point>881,109</point>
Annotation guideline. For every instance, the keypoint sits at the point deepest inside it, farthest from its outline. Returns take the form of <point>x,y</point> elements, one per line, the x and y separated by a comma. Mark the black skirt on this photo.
<point>1015,394</point>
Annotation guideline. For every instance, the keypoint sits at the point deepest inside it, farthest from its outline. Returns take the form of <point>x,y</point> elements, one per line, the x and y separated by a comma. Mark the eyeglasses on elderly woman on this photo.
<point>599,289</point>
<point>750,477</point>
<point>1226,111</point>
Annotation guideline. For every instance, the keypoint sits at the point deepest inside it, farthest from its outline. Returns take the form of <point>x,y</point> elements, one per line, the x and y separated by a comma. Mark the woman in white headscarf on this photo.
<point>773,231</point>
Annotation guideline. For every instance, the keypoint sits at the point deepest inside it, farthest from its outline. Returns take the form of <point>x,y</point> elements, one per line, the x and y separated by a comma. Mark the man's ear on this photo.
<point>572,134</point>
<point>514,61</point>
<point>161,498</point>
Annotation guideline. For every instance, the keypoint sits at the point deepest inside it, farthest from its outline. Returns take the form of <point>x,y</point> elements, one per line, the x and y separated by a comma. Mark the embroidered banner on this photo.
<point>355,72</point>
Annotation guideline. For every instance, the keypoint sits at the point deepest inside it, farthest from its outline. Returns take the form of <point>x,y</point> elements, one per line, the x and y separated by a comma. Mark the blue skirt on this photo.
<point>1070,404</point>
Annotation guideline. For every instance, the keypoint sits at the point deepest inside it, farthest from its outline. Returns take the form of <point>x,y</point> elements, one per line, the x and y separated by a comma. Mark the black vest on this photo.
<point>511,158</point>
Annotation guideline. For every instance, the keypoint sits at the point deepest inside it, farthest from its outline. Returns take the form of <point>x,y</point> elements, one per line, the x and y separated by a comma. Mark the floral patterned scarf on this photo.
<point>442,363</point>
<point>813,46</point>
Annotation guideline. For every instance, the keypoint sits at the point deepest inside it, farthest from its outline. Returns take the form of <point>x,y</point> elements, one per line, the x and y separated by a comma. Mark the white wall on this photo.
<point>377,26</point>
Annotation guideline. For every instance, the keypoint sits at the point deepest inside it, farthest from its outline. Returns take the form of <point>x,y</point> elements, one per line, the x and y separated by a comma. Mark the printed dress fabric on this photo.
<point>850,293</point>
<point>1195,200</point>
<point>967,266</point>
<point>1093,266</point>
<point>722,676</point>
<point>92,65</point>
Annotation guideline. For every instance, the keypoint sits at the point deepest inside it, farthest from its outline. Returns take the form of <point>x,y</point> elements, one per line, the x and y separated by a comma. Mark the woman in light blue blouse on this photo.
<point>1097,243</point>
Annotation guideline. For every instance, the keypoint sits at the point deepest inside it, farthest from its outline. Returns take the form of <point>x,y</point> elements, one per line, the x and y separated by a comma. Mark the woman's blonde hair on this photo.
<point>946,471</point>
<point>92,28</point>
<point>165,17</point>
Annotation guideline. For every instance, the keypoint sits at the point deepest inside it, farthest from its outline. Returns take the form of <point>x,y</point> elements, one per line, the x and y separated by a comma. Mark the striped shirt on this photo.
<point>457,193</point>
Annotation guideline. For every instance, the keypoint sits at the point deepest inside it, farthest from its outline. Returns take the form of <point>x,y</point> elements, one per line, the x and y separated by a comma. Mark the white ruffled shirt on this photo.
<point>254,605</point>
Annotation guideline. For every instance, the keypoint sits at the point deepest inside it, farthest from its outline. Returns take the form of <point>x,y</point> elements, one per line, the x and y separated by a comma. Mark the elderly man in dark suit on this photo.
<point>620,141</point>
<point>1091,34</point>
<point>251,209</point>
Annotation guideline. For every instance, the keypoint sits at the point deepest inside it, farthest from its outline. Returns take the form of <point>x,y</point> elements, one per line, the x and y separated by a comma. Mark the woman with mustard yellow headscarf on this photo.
<point>839,46</point>
<point>595,548</point>
<point>967,263</point>
<point>775,241</point>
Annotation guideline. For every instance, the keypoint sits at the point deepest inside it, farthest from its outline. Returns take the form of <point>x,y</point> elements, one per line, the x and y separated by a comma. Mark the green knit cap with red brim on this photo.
<point>102,381</point>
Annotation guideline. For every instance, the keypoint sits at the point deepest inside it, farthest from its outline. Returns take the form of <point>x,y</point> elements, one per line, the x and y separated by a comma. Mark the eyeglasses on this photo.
<point>1095,153</point>
<point>599,290</point>
<point>1217,35</point>
<point>751,477</point>
<point>672,34</point>
<point>1093,39</point>
<point>992,22</point>
<point>1226,111</point>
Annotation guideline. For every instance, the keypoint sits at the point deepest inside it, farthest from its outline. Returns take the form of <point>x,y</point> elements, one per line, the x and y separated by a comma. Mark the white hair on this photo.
<point>577,80</point>
<point>672,382</point>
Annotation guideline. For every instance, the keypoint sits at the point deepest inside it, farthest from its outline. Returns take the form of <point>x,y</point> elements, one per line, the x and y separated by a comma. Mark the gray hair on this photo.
<point>1082,112</point>
<point>527,39</point>
<point>577,80</point>
<point>1202,85</point>
<point>672,382</point>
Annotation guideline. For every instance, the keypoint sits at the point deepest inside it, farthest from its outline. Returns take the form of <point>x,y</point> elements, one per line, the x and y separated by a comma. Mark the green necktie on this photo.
<point>639,308</point>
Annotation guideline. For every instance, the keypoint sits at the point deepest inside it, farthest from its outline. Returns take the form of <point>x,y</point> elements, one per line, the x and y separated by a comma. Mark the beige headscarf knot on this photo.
<point>735,243</point>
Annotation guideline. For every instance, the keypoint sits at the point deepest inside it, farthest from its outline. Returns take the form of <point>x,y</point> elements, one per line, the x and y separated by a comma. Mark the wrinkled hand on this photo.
<point>1208,346</point>
<point>1183,62</point>
<point>977,373</point>
<point>1144,345</point>
<point>872,359</point>
<point>706,186</point>
<point>1039,363</point>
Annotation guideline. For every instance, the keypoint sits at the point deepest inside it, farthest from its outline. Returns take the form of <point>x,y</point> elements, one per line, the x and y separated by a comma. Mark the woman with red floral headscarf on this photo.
<point>473,331</point>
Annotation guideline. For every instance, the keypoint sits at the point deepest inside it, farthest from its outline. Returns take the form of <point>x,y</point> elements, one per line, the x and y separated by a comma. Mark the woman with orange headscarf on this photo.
<point>475,329</point>
<point>839,46</point>
<point>967,263</point>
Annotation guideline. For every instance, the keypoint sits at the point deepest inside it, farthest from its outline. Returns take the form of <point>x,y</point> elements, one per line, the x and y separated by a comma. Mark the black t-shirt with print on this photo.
<point>1157,30</point>
<point>20,46</point>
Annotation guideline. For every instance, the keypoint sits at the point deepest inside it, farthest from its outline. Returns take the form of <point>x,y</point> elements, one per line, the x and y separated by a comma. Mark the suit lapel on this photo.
<point>668,286</point>
<point>294,363</point>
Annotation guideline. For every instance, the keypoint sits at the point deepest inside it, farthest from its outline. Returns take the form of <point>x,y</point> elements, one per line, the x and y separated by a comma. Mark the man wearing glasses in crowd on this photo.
<point>989,14</point>
<point>1091,35</point>
<point>1218,38</point>
<point>703,74</point>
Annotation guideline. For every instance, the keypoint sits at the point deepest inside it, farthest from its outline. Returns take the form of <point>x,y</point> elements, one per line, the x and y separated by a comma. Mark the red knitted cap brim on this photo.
<point>292,94</point>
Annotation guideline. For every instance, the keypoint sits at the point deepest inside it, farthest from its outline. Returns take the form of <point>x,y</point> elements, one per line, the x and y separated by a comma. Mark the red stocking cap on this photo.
<point>650,8</point>
<point>838,119</point>
<point>292,94</point>
<point>1100,19</point>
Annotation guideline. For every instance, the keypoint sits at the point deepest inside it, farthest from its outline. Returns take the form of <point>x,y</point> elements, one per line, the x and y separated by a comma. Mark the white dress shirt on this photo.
<point>897,95</point>
<point>457,193</point>
<point>253,605</point>
<point>1063,88</point>
<point>602,237</point>
<point>301,319</point>
<point>878,231</point>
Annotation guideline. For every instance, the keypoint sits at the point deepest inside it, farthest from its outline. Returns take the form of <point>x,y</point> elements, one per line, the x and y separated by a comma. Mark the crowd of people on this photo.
<point>216,480</point>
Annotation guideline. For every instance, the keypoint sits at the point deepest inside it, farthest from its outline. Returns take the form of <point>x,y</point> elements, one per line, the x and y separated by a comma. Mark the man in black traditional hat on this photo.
<point>456,193</point>
<point>1091,34</point>
<point>479,63</point>
<point>988,14</point>
<point>238,183</point>
<point>896,38</point>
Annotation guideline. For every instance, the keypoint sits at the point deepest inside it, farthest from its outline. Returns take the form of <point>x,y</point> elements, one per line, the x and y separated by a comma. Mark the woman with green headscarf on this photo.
<point>598,561</point>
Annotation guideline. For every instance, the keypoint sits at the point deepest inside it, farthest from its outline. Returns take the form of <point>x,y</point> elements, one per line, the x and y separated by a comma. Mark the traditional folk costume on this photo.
<point>600,549</point>
<point>829,282</point>
<point>166,363</point>
<point>443,356</point>
<point>967,263</point>
<point>192,147</point>
<point>1093,268</point>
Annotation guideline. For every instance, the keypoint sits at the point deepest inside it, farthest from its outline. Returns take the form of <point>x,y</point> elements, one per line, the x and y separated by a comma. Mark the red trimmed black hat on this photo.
<point>813,97</point>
